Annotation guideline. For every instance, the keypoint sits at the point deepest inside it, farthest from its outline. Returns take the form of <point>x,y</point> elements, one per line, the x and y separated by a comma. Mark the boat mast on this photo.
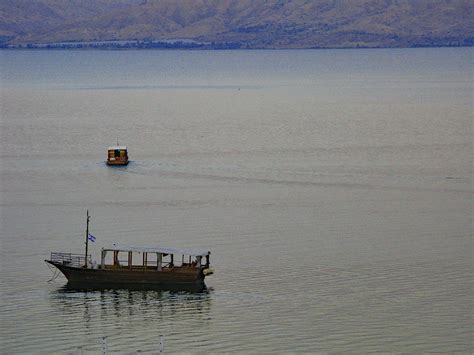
<point>87,237</point>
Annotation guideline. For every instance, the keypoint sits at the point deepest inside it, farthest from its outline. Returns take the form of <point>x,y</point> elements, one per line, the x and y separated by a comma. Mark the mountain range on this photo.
<point>243,23</point>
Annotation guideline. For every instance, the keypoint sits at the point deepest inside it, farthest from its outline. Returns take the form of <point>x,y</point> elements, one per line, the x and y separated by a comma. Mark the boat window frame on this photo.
<point>163,261</point>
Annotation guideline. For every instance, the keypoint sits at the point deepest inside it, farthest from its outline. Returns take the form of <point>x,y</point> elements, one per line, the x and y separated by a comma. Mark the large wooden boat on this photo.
<point>117,155</point>
<point>135,268</point>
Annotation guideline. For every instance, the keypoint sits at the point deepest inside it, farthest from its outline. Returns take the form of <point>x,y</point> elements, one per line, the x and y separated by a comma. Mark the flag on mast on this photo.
<point>91,237</point>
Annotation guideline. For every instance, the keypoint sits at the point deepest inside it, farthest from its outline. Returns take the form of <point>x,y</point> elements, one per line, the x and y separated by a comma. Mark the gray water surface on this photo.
<point>333,188</point>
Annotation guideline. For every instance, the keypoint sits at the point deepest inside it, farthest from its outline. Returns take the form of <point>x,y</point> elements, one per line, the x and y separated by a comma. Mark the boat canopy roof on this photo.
<point>118,147</point>
<point>180,251</point>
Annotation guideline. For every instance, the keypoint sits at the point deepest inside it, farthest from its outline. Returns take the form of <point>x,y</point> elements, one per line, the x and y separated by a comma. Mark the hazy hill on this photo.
<point>250,23</point>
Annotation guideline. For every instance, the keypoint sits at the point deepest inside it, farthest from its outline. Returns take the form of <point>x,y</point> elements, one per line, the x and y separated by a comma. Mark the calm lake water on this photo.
<point>333,188</point>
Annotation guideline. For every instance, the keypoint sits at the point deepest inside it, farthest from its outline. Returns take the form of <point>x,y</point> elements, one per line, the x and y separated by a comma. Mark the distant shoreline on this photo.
<point>225,46</point>
<point>126,44</point>
<point>190,44</point>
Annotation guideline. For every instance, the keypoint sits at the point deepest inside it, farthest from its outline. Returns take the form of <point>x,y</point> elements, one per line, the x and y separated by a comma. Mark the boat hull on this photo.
<point>120,278</point>
<point>116,163</point>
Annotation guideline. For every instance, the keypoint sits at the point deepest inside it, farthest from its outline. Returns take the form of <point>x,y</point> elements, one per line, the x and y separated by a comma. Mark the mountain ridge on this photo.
<point>248,23</point>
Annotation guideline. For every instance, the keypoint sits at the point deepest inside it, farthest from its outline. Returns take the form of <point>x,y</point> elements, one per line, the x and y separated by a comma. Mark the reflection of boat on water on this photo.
<point>116,306</point>
<point>117,155</point>
<point>155,268</point>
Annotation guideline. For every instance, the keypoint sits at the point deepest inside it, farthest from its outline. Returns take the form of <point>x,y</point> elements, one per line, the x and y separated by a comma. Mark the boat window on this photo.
<point>117,153</point>
<point>109,258</point>
<point>170,260</point>
<point>151,260</point>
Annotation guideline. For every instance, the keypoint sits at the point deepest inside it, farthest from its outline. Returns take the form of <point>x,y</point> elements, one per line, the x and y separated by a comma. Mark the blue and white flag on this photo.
<point>91,237</point>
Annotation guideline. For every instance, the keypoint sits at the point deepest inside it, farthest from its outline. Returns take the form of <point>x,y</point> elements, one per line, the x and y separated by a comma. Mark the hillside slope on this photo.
<point>250,23</point>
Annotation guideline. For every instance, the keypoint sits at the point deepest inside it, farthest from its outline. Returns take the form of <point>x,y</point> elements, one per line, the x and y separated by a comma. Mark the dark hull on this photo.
<point>117,163</point>
<point>174,280</point>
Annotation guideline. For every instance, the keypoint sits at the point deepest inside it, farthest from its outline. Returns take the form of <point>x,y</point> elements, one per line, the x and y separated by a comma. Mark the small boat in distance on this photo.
<point>117,155</point>
<point>135,268</point>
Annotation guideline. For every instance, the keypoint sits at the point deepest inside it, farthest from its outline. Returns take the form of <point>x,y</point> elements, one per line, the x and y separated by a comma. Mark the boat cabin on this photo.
<point>117,155</point>
<point>160,259</point>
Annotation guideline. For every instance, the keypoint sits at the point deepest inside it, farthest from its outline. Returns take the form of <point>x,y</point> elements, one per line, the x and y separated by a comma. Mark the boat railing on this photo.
<point>75,260</point>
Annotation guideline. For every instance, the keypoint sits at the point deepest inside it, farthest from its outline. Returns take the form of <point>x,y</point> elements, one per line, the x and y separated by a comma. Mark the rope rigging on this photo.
<point>55,272</point>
